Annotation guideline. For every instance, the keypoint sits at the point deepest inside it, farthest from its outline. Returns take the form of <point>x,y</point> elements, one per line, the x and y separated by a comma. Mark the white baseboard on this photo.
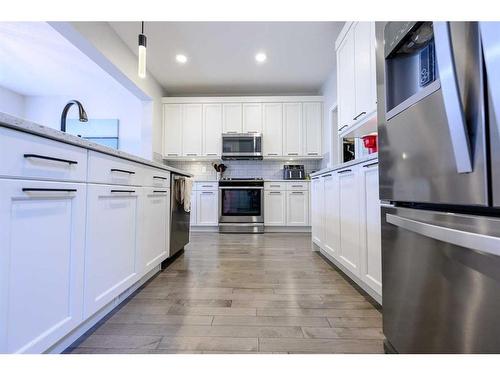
<point>286,229</point>
<point>79,331</point>
<point>204,228</point>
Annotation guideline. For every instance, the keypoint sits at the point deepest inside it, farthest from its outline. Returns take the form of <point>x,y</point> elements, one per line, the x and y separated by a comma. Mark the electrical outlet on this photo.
<point>203,169</point>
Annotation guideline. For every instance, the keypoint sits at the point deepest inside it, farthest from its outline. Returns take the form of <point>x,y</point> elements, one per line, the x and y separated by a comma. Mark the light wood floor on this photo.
<point>234,293</point>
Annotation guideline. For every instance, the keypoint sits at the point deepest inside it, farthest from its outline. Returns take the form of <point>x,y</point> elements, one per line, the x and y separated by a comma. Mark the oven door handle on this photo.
<point>241,187</point>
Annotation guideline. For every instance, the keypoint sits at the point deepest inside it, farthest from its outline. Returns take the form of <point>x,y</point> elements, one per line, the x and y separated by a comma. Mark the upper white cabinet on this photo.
<point>356,85</point>
<point>212,129</point>
<point>272,132</point>
<point>293,130</point>
<point>172,130</point>
<point>232,118</point>
<point>192,129</point>
<point>252,117</point>
<point>42,236</point>
<point>312,128</point>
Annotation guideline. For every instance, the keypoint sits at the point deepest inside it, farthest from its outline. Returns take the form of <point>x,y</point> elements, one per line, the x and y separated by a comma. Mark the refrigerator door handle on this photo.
<point>475,241</point>
<point>451,96</point>
<point>491,50</point>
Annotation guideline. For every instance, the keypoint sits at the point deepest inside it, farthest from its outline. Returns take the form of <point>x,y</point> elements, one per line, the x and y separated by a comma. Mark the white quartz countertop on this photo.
<point>46,132</point>
<point>350,163</point>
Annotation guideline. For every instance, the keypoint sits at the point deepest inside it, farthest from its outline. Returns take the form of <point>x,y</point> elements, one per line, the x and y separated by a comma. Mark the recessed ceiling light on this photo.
<point>181,59</point>
<point>260,57</point>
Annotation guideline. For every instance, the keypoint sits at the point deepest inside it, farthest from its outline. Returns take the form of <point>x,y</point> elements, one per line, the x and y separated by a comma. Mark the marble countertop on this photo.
<point>26,126</point>
<point>346,164</point>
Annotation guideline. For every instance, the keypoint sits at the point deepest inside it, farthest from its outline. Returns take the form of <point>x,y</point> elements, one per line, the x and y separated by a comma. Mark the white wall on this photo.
<point>11,102</point>
<point>101,43</point>
<point>329,92</point>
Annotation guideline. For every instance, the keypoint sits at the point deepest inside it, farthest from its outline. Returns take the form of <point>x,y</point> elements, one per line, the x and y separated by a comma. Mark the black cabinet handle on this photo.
<point>50,158</point>
<point>315,178</point>
<point>369,165</point>
<point>344,171</point>
<point>342,128</point>
<point>122,191</point>
<point>27,190</point>
<point>327,175</point>
<point>361,114</point>
<point>121,170</point>
<point>160,178</point>
<point>159,191</point>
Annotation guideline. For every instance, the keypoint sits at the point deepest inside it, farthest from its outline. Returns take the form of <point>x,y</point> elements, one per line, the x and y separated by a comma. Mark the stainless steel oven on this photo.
<point>244,146</point>
<point>241,205</point>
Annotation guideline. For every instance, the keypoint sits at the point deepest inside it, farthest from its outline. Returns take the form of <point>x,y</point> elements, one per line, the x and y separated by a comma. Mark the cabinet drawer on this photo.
<point>206,186</point>
<point>297,186</point>
<point>275,185</point>
<point>29,156</point>
<point>108,169</point>
<point>156,177</point>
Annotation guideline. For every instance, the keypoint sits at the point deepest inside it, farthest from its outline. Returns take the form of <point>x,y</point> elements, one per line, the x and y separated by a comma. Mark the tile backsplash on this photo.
<point>267,169</point>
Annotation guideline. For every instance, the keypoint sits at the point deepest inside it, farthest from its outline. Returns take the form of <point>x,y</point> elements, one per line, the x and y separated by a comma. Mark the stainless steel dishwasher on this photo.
<point>179,220</point>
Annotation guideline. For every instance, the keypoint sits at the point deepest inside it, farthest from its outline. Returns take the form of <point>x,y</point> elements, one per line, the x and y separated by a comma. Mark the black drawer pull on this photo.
<point>315,178</point>
<point>122,191</point>
<point>344,171</point>
<point>369,165</point>
<point>343,127</point>
<point>160,178</point>
<point>361,114</point>
<point>50,158</point>
<point>121,170</point>
<point>27,190</point>
<point>159,191</point>
<point>327,175</point>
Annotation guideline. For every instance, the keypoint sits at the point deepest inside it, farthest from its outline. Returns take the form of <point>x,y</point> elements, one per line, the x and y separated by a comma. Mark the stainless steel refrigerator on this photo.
<point>438,89</point>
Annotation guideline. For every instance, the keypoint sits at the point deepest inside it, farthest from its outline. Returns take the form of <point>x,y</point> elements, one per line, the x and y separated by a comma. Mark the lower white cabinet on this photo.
<point>155,227</point>
<point>297,208</point>
<point>207,210</point>
<point>275,208</point>
<point>346,220</point>
<point>42,237</point>
<point>112,250</point>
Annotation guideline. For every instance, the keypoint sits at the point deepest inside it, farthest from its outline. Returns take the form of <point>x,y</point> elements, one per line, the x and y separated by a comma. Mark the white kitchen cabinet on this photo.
<point>207,209</point>
<point>272,129</point>
<point>275,208</point>
<point>192,129</point>
<point>42,237</point>
<point>313,128</point>
<point>155,227</point>
<point>172,130</point>
<point>293,129</point>
<point>349,219</point>
<point>112,243</point>
<point>232,118</point>
<point>371,251</point>
<point>297,208</point>
<point>331,207</point>
<point>317,210</point>
<point>252,117</point>
<point>346,82</point>
<point>212,129</point>
<point>194,212</point>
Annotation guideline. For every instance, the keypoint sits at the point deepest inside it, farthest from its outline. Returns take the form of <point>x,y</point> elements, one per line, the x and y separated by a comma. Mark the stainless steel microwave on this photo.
<point>241,146</point>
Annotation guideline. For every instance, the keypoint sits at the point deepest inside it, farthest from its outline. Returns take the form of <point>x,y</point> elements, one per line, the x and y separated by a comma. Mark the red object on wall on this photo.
<point>370,142</point>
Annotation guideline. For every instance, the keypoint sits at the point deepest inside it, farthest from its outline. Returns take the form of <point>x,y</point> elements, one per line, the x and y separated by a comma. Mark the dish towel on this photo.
<point>186,193</point>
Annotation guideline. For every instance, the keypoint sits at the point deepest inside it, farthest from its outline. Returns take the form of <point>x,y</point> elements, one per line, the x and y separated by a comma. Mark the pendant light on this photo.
<point>141,71</point>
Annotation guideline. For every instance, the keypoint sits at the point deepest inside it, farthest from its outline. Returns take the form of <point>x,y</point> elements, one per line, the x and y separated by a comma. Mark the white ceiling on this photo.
<point>300,55</point>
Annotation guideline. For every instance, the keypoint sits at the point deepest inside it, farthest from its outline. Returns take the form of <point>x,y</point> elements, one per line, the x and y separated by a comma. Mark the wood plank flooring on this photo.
<point>238,293</point>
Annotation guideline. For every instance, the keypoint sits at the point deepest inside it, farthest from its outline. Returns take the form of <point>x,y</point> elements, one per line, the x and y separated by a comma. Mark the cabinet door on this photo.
<point>212,129</point>
<point>207,209</point>
<point>252,117</point>
<point>317,210</point>
<point>192,129</point>
<point>292,124</point>
<point>155,227</point>
<point>275,208</point>
<point>42,237</point>
<point>312,128</point>
<point>297,208</point>
<point>172,130</point>
<point>232,118</point>
<point>346,81</point>
<point>364,57</point>
<point>193,215</point>
<point>349,219</point>
<point>112,243</point>
<point>332,214</point>
<point>371,252</point>
<point>272,132</point>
